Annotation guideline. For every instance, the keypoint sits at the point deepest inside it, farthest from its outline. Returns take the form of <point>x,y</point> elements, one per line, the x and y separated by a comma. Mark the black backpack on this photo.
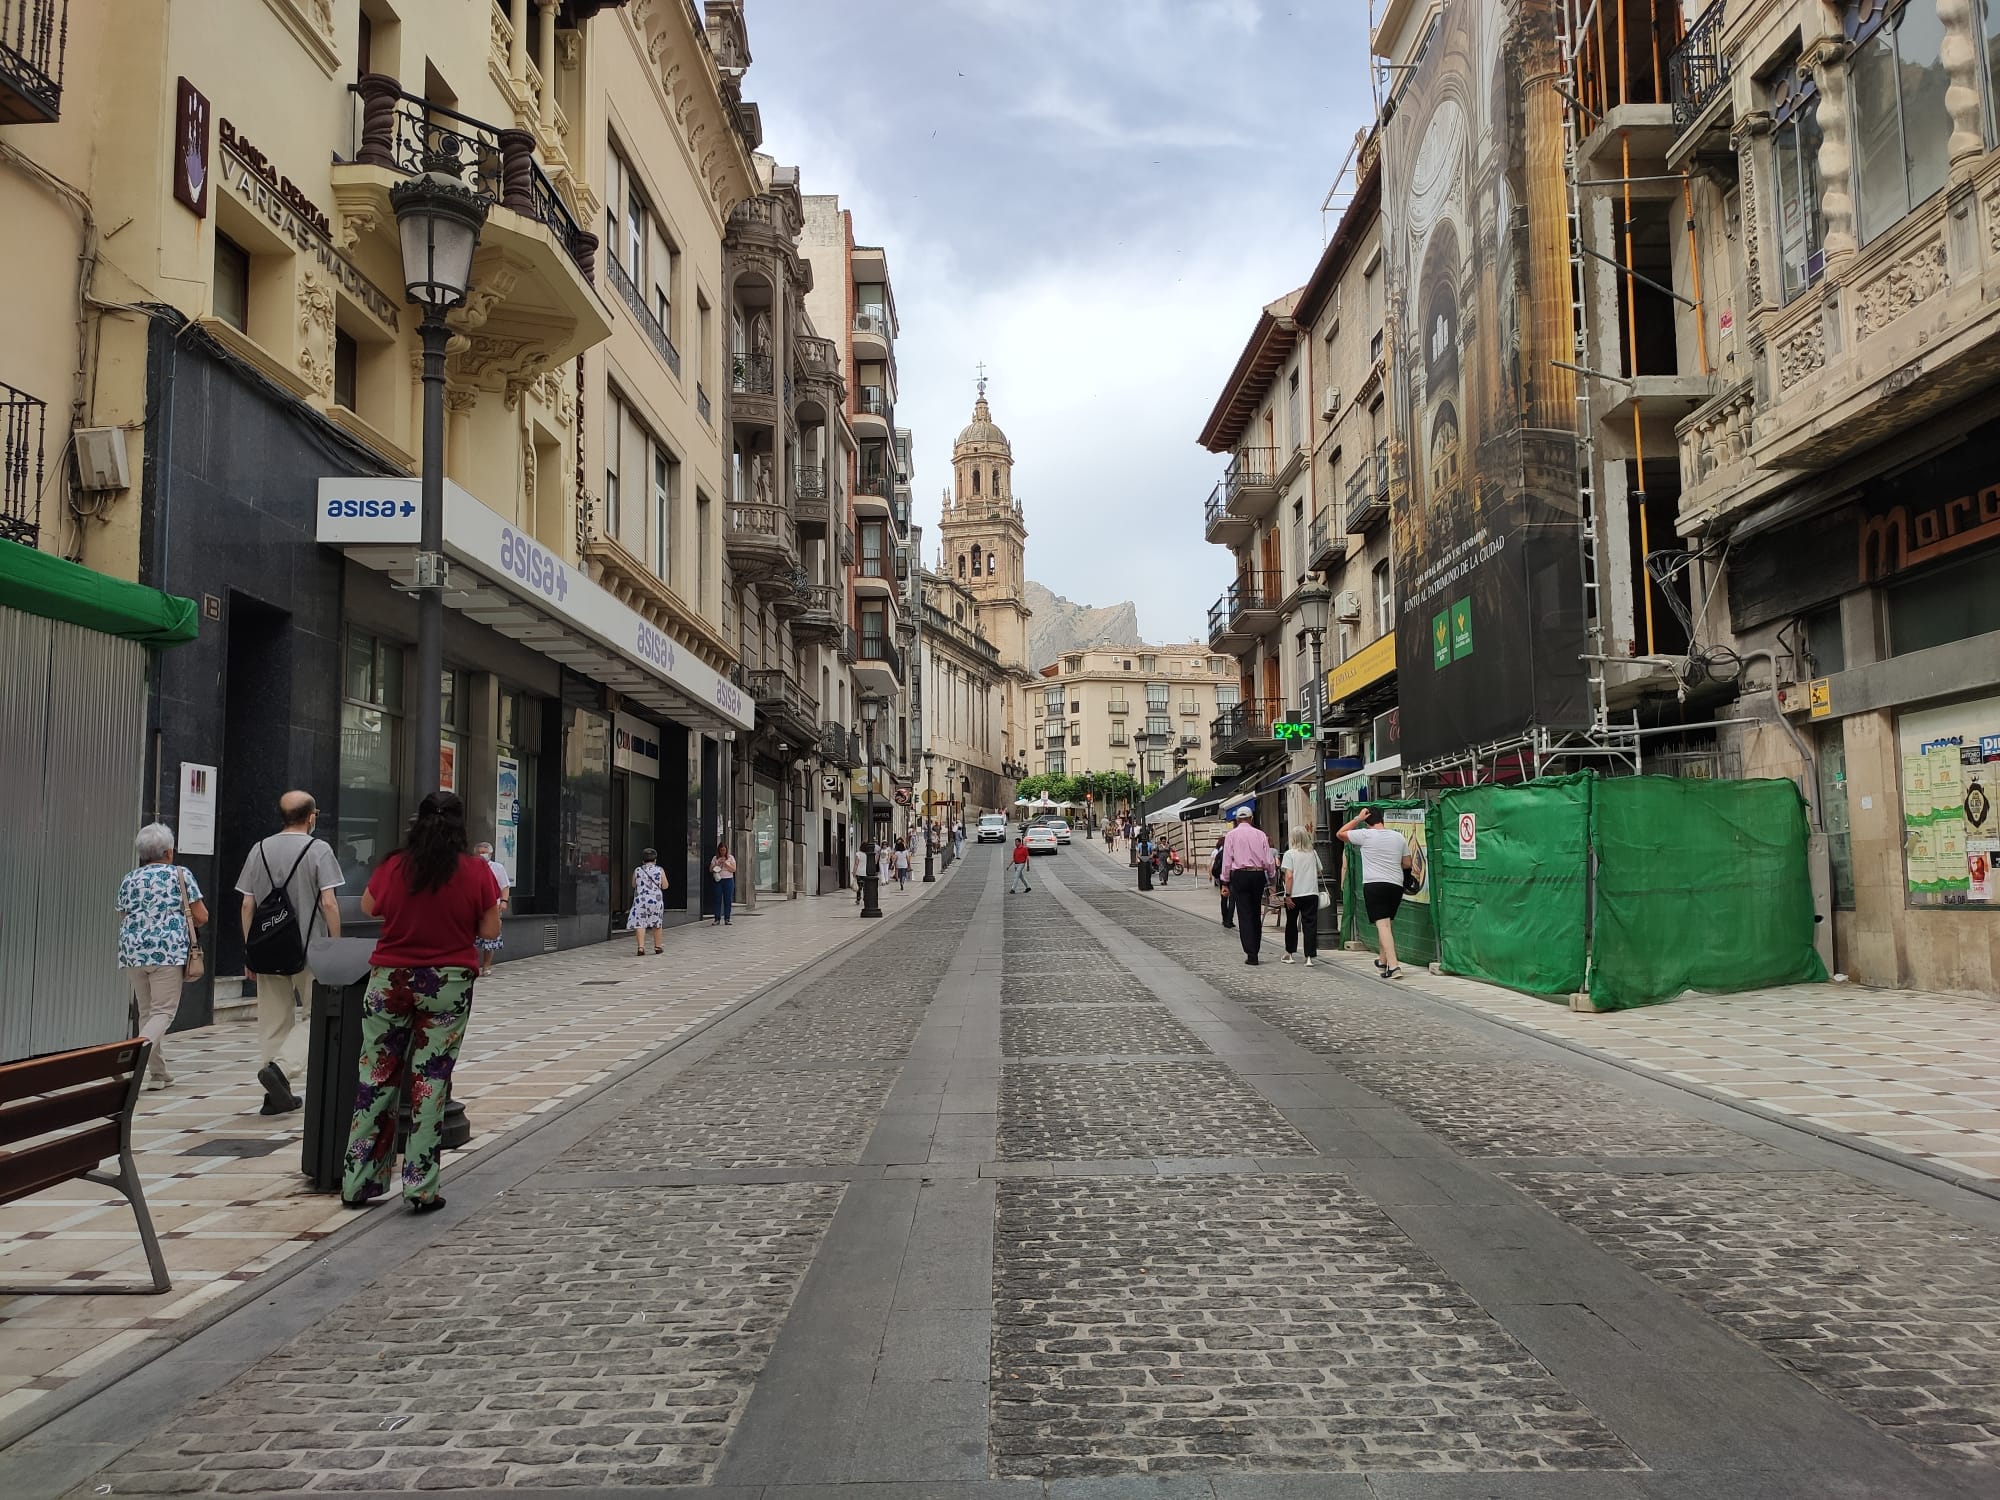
<point>275,945</point>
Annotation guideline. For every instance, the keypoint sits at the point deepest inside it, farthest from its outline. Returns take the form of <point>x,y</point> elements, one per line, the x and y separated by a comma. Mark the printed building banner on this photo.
<point>1485,510</point>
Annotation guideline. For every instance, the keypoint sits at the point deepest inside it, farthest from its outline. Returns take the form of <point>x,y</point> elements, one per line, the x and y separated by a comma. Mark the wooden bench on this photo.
<point>61,1118</point>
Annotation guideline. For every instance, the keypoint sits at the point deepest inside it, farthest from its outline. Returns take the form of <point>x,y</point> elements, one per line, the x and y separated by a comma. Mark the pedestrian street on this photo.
<point>1049,1194</point>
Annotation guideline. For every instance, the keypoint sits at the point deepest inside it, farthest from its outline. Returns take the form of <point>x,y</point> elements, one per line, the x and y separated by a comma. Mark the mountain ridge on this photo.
<point>1058,625</point>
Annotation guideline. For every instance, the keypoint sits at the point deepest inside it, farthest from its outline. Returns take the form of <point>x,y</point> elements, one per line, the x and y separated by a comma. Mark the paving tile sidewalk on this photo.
<point>1909,1073</point>
<point>223,1182</point>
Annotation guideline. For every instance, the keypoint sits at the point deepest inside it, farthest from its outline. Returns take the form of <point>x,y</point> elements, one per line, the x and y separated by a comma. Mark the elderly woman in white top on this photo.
<point>159,908</point>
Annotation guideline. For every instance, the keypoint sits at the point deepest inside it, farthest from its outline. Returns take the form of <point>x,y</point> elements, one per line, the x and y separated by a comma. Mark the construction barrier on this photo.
<point>1517,911</point>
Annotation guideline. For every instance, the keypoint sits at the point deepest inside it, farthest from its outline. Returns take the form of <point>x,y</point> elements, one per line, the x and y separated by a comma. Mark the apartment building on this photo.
<point>1842,524</point>
<point>1143,710</point>
<point>962,688</point>
<point>220,333</point>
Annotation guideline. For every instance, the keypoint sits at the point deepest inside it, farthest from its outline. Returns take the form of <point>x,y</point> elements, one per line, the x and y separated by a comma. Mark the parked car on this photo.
<point>1060,827</point>
<point>1041,839</point>
<point>993,828</point>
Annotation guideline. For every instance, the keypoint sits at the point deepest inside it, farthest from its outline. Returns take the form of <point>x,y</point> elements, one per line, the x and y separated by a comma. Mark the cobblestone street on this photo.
<point>1048,1194</point>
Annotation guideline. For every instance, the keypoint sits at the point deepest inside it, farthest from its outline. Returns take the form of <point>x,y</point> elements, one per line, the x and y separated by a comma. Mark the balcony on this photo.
<point>872,418</point>
<point>876,494</point>
<point>871,337</point>
<point>647,321</point>
<point>34,36</point>
<point>1250,483</point>
<point>701,403</point>
<point>1254,600</point>
<point>23,430</point>
<point>1368,493</point>
<point>879,663</point>
<point>1222,525</point>
<point>534,276</point>
<point>1323,549</point>
<point>761,542</point>
<point>753,389</point>
<point>809,500</point>
<point>839,746</point>
<point>1698,71</point>
<point>1119,741</point>
<point>766,221</point>
<point>848,645</point>
<point>1242,729</point>
<point>821,391</point>
<point>819,614</point>
<point>847,546</point>
<point>784,705</point>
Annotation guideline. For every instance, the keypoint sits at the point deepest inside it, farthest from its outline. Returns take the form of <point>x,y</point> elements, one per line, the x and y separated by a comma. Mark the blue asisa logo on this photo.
<point>343,509</point>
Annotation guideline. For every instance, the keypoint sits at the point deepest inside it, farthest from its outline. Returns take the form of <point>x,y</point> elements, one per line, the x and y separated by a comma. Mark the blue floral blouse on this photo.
<point>152,930</point>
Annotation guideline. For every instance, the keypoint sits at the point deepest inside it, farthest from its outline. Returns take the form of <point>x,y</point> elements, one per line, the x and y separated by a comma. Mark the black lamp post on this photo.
<point>1315,604</point>
<point>1132,802</point>
<point>930,814</point>
<point>439,219</point>
<point>871,882</point>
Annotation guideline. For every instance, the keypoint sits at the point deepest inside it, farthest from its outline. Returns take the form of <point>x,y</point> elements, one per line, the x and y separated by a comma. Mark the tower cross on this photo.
<point>982,377</point>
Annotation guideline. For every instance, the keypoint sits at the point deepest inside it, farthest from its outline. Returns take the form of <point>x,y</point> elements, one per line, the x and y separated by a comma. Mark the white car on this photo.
<point>1060,828</point>
<point>1041,839</point>
<point>993,829</point>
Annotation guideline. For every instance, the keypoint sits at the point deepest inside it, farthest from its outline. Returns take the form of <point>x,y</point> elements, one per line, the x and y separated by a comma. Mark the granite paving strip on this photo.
<point>1073,1111</point>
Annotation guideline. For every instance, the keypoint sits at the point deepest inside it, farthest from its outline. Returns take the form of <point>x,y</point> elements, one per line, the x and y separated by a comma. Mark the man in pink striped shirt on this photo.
<point>1247,866</point>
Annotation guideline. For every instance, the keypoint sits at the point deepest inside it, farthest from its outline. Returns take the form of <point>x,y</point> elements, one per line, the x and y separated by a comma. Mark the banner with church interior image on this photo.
<point>1490,622</point>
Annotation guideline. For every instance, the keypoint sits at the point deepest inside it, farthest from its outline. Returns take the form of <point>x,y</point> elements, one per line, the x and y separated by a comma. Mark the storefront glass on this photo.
<point>1831,758</point>
<point>585,861</point>
<point>1951,781</point>
<point>370,815</point>
<point>516,788</point>
<point>764,842</point>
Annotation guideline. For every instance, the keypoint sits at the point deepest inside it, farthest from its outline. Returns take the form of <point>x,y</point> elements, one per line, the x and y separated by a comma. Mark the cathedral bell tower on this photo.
<point>983,538</point>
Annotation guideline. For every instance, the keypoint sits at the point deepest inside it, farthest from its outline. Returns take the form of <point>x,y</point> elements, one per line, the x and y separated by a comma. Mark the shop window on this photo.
<point>454,717</point>
<point>1795,143</point>
<point>232,283</point>
<point>1824,643</point>
<point>1951,603</point>
<point>1951,828</point>
<point>370,823</point>
<point>516,787</point>
<point>1902,129</point>
<point>1830,757</point>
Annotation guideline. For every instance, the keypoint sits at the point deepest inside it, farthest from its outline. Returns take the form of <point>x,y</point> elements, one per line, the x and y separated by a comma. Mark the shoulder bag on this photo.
<point>197,963</point>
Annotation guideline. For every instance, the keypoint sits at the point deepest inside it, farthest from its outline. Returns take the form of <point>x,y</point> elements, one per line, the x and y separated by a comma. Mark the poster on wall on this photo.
<point>1484,514</point>
<point>1409,822</point>
<point>196,834</point>
<point>507,815</point>
<point>1951,833</point>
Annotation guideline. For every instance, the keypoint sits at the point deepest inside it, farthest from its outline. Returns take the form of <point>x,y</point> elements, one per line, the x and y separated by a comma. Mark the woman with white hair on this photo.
<point>1301,874</point>
<point>159,908</point>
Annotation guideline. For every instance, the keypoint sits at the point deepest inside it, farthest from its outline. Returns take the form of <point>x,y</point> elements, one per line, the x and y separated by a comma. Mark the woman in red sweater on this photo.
<point>435,899</point>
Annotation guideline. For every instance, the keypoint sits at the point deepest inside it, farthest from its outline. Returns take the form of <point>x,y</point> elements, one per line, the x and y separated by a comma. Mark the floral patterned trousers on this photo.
<point>412,1021</point>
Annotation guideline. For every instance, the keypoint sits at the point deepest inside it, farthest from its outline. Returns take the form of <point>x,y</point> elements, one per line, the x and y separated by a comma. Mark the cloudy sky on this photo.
<point>1094,197</point>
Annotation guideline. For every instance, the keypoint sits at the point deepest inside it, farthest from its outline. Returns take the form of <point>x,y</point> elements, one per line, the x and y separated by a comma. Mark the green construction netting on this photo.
<point>1701,885</point>
<point>1416,934</point>
<point>1517,913</point>
<point>40,583</point>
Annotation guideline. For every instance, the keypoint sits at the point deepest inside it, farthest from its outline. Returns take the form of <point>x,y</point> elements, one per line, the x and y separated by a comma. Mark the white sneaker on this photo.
<point>1309,963</point>
<point>1288,958</point>
<point>155,1082</point>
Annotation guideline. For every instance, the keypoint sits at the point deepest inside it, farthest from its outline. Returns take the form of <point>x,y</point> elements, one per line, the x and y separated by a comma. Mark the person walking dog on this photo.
<point>1247,868</point>
<point>1385,863</point>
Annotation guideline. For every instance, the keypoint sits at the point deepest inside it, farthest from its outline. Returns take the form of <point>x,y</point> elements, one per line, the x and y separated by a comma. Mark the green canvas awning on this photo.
<point>40,583</point>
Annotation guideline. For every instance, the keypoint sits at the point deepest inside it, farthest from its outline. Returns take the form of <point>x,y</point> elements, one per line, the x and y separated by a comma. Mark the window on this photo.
<point>1795,141</point>
<point>874,632</point>
<point>874,553</point>
<point>666,486</point>
<point>1056,764</point>
<point>1947,603</point>
<point>346,355</point>
<point>975,481</point>
<point>961,574</point>
<point>1902,129</point>
<point>232,283</point>
<point>1156,697</point>
<point>1157,727</point>
<point>1052,700</point>
<point>1831,764</point>
<point>614,443</point>
<point>1227,696</point>
<point>1385,599</point>
<point>1824,643</point>
<point>704,520</point>
<point>1117,731</point>
<point>1295,433</point>
<point>1038,736</point>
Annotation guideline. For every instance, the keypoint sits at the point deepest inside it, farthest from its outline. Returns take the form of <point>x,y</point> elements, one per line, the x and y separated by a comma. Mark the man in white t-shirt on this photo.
<point>1385,856</point>
<point>489,948</point>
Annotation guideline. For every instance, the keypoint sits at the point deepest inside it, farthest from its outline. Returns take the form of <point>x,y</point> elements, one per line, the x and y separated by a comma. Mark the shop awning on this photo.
<point>1172,814</point>
<point>508,581</point>
<point>40,583</point>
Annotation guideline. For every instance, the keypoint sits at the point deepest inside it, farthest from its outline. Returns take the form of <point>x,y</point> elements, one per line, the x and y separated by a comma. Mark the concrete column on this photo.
<point>1828,60</point>
<point>547,21</point>
<point>517,51</point>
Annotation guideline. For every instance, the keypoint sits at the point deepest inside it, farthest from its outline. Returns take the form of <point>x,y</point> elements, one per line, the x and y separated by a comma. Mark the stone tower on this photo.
<point>982,537</point>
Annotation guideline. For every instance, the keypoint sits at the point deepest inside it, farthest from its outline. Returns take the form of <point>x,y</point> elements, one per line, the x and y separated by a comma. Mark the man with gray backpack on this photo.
<point>280,913</point>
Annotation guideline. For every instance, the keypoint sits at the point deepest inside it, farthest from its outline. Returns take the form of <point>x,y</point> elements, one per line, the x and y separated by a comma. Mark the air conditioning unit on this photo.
<point>100,459</point>
<point>1332,406</point>
<point>1347,606</point>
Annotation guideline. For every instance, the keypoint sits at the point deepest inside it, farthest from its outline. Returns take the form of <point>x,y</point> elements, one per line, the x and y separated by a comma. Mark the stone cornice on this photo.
<point>689,89</point>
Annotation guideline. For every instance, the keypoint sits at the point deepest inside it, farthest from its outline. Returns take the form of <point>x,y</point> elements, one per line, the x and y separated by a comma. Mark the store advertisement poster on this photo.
<point>1409,822</point>
<point>196,834</point>
<point>1951,831</point>
<point>507,815</point>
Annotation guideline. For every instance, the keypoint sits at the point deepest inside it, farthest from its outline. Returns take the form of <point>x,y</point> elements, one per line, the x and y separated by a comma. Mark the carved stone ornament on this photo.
<point>1916,278</point>
<point>316,332</point>
<point>528,471</point>
<point>1802,352</point>
<point>354,223</point>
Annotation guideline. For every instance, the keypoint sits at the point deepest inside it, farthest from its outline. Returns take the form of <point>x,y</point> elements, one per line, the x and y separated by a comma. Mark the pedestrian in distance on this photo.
<point>722,870</point>
<point>280,913</point>
<point>648,912</point>
<point>902,866</point>
<point>1247,867</point>
<point>489,948</point>
<point>1215,879</point>
<point>436,899</point>
<point>159,912</point>
<point>858,868</point>
<point>1299,870</point>
<point>1385,865</point>
<point>1020,858</point>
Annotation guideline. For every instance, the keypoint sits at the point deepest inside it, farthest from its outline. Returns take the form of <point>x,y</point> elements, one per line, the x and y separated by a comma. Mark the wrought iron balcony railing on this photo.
<point>702,405</point>
<point>1250,468</point>
<point>1243,723</point>
<point>407,133</point>
<point>780,695</point>
<point>1698,69</point>
<point>1319,539</point>
<point>879,648</point>
<point>648,321</point>
<point>23,432</point>
<point>1214,510</point>
<point>750,374</point>
<point>34,39</point>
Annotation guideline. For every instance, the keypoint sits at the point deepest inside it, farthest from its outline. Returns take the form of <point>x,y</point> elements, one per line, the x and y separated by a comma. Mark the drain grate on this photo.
<point>232,1146</point>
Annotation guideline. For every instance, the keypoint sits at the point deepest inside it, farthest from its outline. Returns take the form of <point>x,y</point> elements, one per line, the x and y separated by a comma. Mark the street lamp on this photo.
<point>438,218</point>
<point>1315,601</point>
<point>930,814</point>
<point>871,882</point>
<point>1132,803</point>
